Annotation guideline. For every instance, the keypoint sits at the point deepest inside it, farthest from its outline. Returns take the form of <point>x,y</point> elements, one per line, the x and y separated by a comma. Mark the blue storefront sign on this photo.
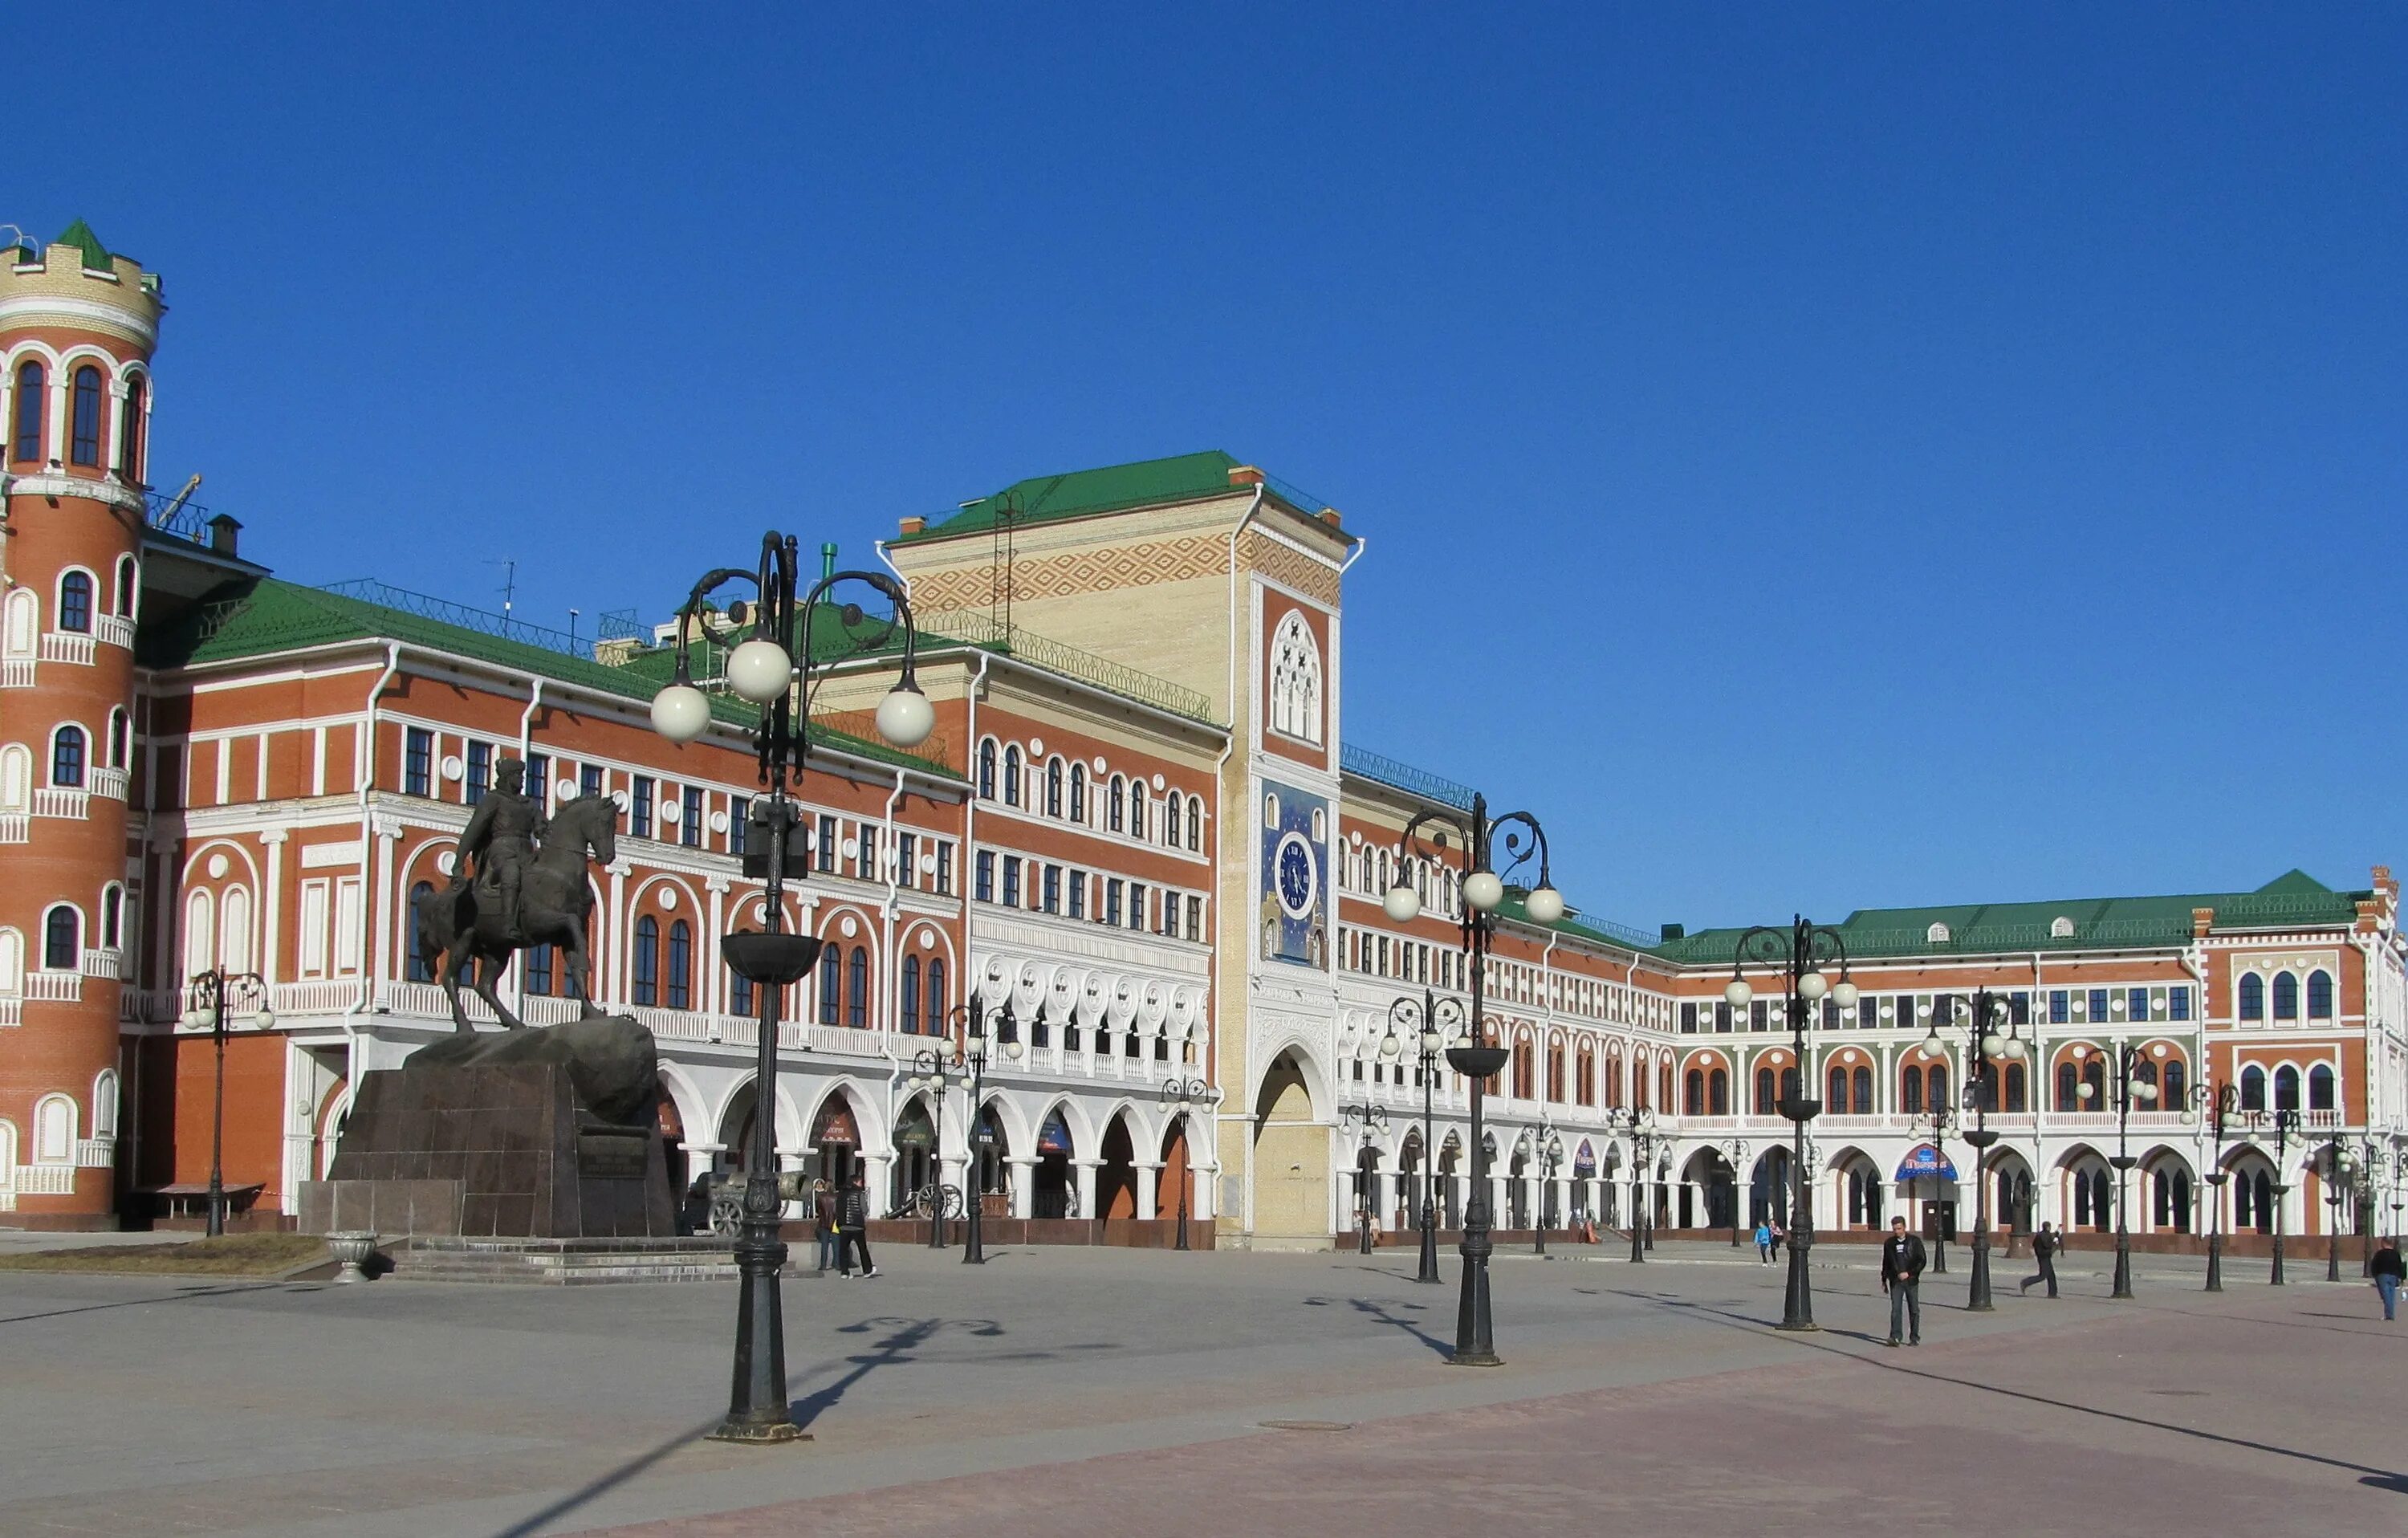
<point>1923,1162</point>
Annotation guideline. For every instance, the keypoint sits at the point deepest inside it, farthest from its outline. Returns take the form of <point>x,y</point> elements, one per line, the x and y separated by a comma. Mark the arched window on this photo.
<point>1011,775</point>
<point>201,932</point>
<point>857,988</point>
<point>112,916</point>
<point>75,603</point>
<point>831,983</point>
<point>1522,1071</point>
<point>20,616</point>
<point>986,771</point>
<point>2174,1094</point>
<point>1910,1092</point>
<point>648,960</point>
<point>67,757</point>
<point>2320,1005</point>
<point>1936,1086</point>
<point>16,778</point>
<point>1718,1093</point>
<point>935,1015</point>
<point>1113,818</point>
<point>31,382</point>
<point>1172,807</point>
<point>54,1129</point>
<point>1767,1092</point>
<point>2286,1088</point>
<point>1195,824</point>
<point>128,575</point>
<point>1863,1082</point>
<point>1693,1094</point>
<point>2320,1087</point>
<point>2253,997</point>
<point>1052,787</point>
<point>2286,995</point>
<point>12,964</point>
<point>129,430</point>
<point>1295,681</point>
<point>233,925</point>
<point>85,448</point>
<point>414,965</point>
<point>1078,792</point>
<point>1836,1092</point>
<point>105,1096</point>
<point>2017,1094</point>
<point>2094,1073</point>
<point>2253,1088</point>
<point>62,940</point>
<point>1136,810</point>
<point>119,737</point>
<point>681,966</point>
<point>910,1010</point>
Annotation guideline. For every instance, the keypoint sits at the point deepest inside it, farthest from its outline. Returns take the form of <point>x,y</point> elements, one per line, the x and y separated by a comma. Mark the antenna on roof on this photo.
<point>999,562</point>
<point>509,582</point>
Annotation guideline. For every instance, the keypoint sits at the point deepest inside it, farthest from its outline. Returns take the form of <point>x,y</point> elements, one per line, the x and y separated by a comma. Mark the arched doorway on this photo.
<point>1927,1178</point>
<point>2167,1205</point>
<point>915,1153</point>
<point>993,1178</point>
<point>1517,1188</point>
<point>1291,1156</point>
<point>1410,1177</point>
<point>834,1149</point>
<point>1367,1185</point>
<point>1051,1192</point>
<point>1862,1180</point>
<point>1584,1173</point>
<point>1173,1194</point>
<point>2010,1187</point>
<point>1768,1189</point>
<point>1709,1172</point>
<point>1116,1178</point>
<point>1450,1183</point>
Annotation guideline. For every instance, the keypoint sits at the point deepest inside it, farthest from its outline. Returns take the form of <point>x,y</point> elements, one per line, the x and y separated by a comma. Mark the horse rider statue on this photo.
<point>500,838</point>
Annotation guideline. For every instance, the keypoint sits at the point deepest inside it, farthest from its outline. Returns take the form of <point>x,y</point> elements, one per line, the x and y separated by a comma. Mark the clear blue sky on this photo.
<point>1815,457</point>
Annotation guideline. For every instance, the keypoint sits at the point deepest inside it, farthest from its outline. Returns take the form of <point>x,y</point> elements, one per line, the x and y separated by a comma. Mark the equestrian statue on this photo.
<point>520,883</point>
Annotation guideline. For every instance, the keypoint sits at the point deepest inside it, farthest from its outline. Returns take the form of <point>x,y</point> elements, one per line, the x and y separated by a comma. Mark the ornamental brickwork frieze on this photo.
<point>1100,569</point>
<point>1289,566</point>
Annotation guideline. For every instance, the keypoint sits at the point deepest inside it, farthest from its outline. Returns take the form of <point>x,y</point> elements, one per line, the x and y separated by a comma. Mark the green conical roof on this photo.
<point>96,255</point>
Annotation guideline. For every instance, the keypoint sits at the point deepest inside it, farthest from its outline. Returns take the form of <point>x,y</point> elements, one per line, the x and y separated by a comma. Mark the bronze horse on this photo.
<point>460,924</point>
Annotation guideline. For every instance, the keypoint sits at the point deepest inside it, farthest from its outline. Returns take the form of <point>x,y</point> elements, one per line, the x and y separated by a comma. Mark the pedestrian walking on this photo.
<point>1902,1277</point>
<point>823,1221</point>
<point>2388,1270</point>
<point>852,1218</point>
<point>1778,1235</point>
<point>2046,1245</point>
<point>1764,1242</point>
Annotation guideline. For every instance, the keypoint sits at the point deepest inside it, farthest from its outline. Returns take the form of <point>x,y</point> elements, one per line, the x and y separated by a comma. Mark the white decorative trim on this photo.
<point>30,308</point>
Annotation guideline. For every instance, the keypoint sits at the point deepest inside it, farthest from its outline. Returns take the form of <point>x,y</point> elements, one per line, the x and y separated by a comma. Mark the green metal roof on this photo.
<point>250,619</point>
<point>1114,488</point>
<point>2294,897</point>
<point>96,255</point>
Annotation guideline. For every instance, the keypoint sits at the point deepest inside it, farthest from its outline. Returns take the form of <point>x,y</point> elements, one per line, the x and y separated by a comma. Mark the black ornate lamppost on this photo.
<point>937,1069</point>
<point>1638,1124</point>
<point>1942,1117</point>
<point>211,990</point>
<point>971,1023</point>
<point>2218,1108</point>
<point>1374,1118</point>
<point>1990,1036</point>
<point>2286,1124</point>
<point>1483,890</point>
<point>2340,1168</point>
<point>1430,1022</point>
<point>1801,951</point>
<point>778,667</point>
<point>2128,1087</point>
<point>1186,1094</point>
<point>1734,1152</point>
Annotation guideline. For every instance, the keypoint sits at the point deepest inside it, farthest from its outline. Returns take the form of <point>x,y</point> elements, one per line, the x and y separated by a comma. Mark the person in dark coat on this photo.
<point>2046,1245</point>
<point>823,1221</point>
<point>852,1218</point>
<point>2387,1270</point>
<point>1901,1277</point>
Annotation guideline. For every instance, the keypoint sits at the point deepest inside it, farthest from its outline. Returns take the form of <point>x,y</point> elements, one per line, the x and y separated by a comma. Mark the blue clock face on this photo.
<point>1295,876</point>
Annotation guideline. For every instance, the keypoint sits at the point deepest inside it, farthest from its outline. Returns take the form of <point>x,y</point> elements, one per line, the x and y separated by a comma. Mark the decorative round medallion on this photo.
<point>846,926</point>
<point>668,899</point>
<point>447,862</point>
<point>565,788</point>
<point>1037,747</point>
<point>1157,782</point>
<point>669,813</point>
<point>218,865</point>
<point>452,768</point>
<point>719,822</point>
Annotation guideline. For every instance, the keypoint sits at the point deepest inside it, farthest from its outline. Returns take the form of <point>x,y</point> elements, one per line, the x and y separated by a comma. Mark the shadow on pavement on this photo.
<point>179,1295</point>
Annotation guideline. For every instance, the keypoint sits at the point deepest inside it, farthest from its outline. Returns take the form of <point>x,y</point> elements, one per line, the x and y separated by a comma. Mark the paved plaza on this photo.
<point>1103,1391</point>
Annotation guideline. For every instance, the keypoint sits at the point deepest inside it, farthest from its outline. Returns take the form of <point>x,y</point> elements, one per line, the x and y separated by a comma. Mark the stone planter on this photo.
<point>352,1251</point>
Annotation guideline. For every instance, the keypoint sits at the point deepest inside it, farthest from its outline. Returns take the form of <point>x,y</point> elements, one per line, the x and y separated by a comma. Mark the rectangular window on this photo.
<point>1053,898</point>
<point>481,772</point>
<point>1689,1019</point>
<point>1136,905</point>
<point>1011,880</point>
<point>739,812</point>
<point>418,762</point>
<point>1113,901</point>
<point>1195,919</point>
<point>1760,1015</point>
<point>2019,1009</point>
<point>690,817</point>
<point>1723,1015</point>
<point>823,850</point>
<point>539,778</point>
<point>985,889</point>
<point>907,859</point>
<point>944,867</point>
<point>2060,1010</point>
<point>2097,1005</point>
<point>639,807</point>
<point>2178,1003</point>
<point>348,931</point>
<point>313,929</point>
<point>865,852</point>
<point>1078,894</point>
<point>589,780</point>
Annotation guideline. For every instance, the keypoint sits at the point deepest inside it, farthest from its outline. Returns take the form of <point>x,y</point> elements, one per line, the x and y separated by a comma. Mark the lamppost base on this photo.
<point>1805,1328</point>
<point>1472,1359</point>
<point>759,1432</point>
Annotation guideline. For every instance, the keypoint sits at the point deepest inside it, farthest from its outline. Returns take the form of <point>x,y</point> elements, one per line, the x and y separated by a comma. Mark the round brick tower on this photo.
<point>76,327</point>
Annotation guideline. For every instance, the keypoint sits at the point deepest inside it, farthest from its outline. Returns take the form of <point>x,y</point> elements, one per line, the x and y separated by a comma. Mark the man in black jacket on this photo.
<point>1901,1274</point>
<point>2044,1248</point>
<point>852,1220</point>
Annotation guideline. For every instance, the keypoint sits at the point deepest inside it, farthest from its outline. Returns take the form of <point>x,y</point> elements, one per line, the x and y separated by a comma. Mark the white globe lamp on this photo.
<point>759,670</point>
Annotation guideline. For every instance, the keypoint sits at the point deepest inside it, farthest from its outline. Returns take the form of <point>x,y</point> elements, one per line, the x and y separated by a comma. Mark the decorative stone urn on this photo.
<point>351,1250</point>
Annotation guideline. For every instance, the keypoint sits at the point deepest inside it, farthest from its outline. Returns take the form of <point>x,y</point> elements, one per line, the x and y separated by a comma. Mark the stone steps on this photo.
<point>565,1262</point>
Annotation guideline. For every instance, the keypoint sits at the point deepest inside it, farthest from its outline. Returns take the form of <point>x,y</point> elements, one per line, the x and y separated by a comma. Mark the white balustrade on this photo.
<point>323,995</point>
<point>16,672</point>
<point>12,1009</point>
<point>67,646</point>
<point>50,987</point>
<point>114,629</point>
<point>95,1153</point>
<point>53,801</point>
<point>46,1179</point>
<point>15,827</point>
<point>103,961</point>
<point>108,782</point>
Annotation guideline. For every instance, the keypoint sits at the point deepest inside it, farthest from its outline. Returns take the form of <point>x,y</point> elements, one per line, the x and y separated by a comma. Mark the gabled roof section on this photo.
<point>96,255</point>
<point>1114,488</point>
<point>255,619</point>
